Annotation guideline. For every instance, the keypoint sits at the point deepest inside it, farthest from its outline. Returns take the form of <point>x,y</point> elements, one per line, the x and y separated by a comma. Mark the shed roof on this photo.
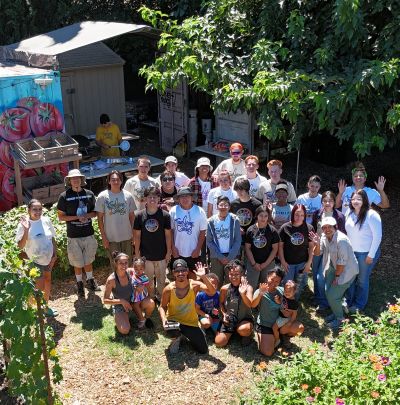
<point>89,56</point>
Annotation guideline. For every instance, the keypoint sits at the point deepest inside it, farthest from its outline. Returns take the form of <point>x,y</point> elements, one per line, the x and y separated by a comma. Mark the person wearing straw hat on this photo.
<point>108,136</point>
<point>234,165</point>
<point>76,206</point>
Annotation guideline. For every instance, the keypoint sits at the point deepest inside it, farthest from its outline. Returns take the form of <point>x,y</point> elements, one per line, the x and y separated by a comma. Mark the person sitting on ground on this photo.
<point>359,174</point>
<point>171,166</point>
<point>108,136</point>
<point>235,301</point>
<point>266,192</point>
<point>312,199</point>
<point>234,165</point>
<point>288,311</point>
<point>252,175</point>
<point>223,238</point>
<point>269,312</point>
<point>168,190</point>
<point>207,306</point>
<point>141,302</point>
<point>224,189</point>
<point>178,305</point>
<point>281,209</point>
<point>119,284</point>
<point>36,237</point>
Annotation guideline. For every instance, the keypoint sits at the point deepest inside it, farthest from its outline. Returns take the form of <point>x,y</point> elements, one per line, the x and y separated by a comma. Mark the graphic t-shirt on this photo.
<point>111,137</point>
<point>295,239</point>
<point>373,197</point>
<point>234,170</point>
<point>288,304</point>
<point>39,245</point>
<point>205,189</point>
<point>77,203</point>
<point>266,192</point>
<point>254,184</point>
<point>245,212</point>
<point>187,225</point>
<point>217,192</point>
<point>261,241</point>
<point>207,303</point>
<point>312,204</point>
<point>222,231</point>
<point>152,238</point>
<point>137,188</point>
<point>281,215</point>
<point>116,208</point>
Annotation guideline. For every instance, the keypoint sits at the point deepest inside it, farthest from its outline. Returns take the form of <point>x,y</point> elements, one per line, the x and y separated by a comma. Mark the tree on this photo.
<point>303,67</point>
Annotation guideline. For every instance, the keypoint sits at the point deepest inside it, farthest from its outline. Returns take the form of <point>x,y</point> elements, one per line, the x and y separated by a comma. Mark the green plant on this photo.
<point>363,367</point>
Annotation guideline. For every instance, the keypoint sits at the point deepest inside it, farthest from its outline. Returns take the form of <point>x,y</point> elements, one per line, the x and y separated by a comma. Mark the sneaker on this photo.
<point>81,290</point>
<point>91,284</point>
<point>174,346</point>
<point>149,323</point>
<point>335,324</point>
<point>50,312</point>
<point>353,310</point>
<point>141,324</point>
<point>245,341</point>
<point>329,318</point>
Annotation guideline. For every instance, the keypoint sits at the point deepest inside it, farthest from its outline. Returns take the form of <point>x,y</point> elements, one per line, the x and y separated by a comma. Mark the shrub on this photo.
<point>363,367</point>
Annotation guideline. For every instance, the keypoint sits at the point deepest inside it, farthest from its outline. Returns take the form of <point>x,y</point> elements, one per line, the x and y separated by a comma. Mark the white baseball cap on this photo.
<point>328,221</point>
<point>172,159</point>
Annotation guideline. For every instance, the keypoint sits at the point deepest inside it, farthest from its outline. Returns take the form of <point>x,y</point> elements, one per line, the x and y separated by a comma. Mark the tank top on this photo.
<point>183,310</point>
<point>122,292</point>
<point>234,305</point>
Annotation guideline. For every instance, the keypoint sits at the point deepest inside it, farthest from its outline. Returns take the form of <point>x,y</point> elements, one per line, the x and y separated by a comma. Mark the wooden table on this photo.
<point>19,164</point>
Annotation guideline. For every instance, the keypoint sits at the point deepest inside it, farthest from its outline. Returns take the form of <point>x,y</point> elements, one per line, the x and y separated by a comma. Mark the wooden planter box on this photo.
<point>68,145</point>
<point>29,151</point>
<point>45,188</point>
<point>52,149</point>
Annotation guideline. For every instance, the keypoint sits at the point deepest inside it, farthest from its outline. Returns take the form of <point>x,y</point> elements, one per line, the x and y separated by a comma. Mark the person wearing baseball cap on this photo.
<point>178,305</point>
<point>76,206</point>
<point>171,165</point>
<point>340,267</point>
<point>281,209</point>
<point>235,164</point>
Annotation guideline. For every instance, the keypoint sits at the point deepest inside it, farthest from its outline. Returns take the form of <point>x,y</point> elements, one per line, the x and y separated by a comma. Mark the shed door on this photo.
<point>68,91</point>
<point>173,116</point>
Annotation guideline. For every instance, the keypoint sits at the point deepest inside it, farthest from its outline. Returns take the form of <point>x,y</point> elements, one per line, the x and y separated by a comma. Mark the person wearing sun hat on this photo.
<point>340,266</point>
<point>76,206</point>
<point>202,182</point>
<point>235,164</point>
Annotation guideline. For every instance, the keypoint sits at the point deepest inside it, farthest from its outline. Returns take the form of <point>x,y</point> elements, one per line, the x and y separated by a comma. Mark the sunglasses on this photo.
<point>236,152</point>
<point>168,179</point>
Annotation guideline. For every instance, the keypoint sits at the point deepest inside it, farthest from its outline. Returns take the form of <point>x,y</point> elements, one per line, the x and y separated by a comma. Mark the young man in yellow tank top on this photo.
<point>178,305</point>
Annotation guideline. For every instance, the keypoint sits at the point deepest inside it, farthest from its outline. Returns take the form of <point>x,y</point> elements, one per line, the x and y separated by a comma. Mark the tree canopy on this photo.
<point>301,66</point>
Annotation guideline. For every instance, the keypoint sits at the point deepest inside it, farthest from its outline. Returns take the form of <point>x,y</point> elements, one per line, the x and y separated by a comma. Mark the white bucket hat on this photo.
<point>204,161</point>
<point>74,173</point>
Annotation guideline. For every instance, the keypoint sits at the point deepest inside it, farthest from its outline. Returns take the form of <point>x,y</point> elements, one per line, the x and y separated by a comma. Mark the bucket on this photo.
<point>192,130</point>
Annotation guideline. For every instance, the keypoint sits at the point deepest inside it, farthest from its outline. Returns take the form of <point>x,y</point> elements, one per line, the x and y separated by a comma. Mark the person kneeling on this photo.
<point>235,300</point>
<point>207,306</point>
<point>178,305</point>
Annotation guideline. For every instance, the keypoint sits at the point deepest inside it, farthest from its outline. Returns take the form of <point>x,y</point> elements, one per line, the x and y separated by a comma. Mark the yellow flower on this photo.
<point>395,308</point>
<point>53,353</point>
<point>377,366</point>
<point>33,273</point>
<point>375,394</point>
<point>262,365</point>
<point>304,387</point>
<point>374,358</point>
<point>363,377</point>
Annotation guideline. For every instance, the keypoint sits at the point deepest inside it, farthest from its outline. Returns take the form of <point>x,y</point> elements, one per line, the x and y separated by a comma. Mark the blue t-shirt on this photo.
<point>208,303</point>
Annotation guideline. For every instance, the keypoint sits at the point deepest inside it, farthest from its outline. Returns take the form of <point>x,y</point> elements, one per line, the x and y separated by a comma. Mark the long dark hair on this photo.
<point>295,208</point>
<point>364,207</point>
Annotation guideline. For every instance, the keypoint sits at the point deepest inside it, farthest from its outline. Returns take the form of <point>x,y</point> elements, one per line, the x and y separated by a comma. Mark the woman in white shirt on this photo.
<point>312,199</point>
<point>35,237</point>
<point>364,229</point>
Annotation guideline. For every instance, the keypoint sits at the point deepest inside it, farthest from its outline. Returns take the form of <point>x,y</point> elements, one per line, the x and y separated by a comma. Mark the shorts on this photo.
<point>81,251</point>
<point>214,322</point>
<point>118,309</point>
<point>281,321</point>
<point>264,330</point>
<point>231,327</point>
<point>42,269</point>
<point>124,246</point>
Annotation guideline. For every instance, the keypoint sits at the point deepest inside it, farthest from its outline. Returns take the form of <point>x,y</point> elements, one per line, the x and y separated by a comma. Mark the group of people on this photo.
<point>239,247</point>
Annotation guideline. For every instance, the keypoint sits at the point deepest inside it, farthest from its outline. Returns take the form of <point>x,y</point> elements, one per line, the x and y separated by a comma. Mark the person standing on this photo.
<point>312,199</point>
<point>224,189</point>
<point>108,136</point>
<point>266,192</point>
<point>152,236</point>
<point>168,190</point>
<point>115,214</point>
<point>254,178</point>
<point>188,224</point>
<point>281,209</point>
<point>76,206</point>
<point>171,165</point>
<point>136,185</point>
<point>235,165</point>
<point>35,236</point>
<point>223,238</point>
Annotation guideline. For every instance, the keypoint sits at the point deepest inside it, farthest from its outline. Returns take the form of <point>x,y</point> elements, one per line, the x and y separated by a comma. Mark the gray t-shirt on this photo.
<point>116,208</point>
<point>269,309</point>
<point>137,187</point>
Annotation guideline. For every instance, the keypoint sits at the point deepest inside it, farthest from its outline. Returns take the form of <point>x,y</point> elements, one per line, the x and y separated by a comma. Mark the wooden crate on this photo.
<point>37,187</point>
<point>51,148</point>
<point>29,151</point>
<point>57,189</point>
<point>69,145</point>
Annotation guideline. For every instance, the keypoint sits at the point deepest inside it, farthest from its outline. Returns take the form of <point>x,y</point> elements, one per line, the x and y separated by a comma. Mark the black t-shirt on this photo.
<point>295,239</point>
<point>261,241</point>
<point>152,239</point>
<point>77,203</point>
<point>245,212</point>
<point>288,303</point>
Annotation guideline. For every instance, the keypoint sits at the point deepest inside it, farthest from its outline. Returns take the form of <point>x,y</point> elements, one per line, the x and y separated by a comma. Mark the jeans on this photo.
<point>319,282</point>
<point>335,293</point>
<point>357,294</point>
<point>296,274</point>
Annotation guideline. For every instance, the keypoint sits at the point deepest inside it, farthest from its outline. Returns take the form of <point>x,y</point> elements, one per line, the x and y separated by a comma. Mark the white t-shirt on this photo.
<point>281,215</point>
<point>266,192</point>
<point>181,180</point>
<point>116,208</point>
<point>222,230</point>
<point>186,226</point>
<point>137,187</point>
<point>234,170</point>
<point>216,192</point>
<point>205,189</point>
<point>311,204</point>
<point>373,197</point>
<point>39,245</point>
<point>254,183</point>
